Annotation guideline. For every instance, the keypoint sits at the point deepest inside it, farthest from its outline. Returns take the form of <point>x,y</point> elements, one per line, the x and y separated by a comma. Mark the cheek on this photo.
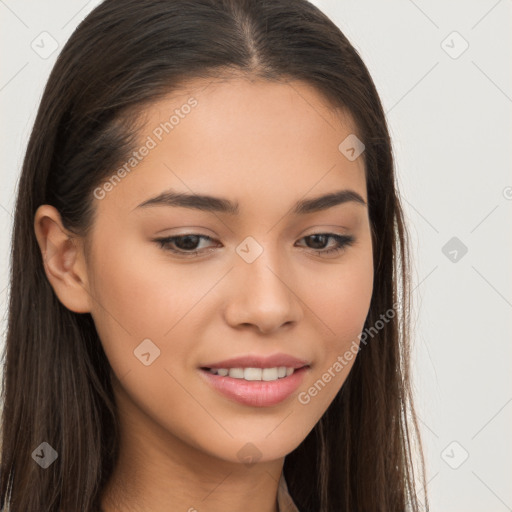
<point>136,301</point>
<point>132,288</point>
<point>341,298</point>
<point>130,298</point>
<point>341,304</point>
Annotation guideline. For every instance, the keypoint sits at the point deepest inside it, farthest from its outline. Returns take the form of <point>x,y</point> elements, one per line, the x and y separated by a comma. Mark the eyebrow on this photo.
<point>221,205</point>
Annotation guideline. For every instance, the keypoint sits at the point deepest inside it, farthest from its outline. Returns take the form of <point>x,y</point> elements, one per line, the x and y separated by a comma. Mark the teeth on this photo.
<point>236,373</point>
<point>253,373</point>
<point>265,374</point>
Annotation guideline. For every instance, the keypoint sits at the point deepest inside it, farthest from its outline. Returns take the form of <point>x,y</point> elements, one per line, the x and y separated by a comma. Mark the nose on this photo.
<point>263,295</point>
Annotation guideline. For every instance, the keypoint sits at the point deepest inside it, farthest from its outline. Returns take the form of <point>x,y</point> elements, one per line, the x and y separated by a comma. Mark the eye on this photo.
<point>187,244</point>
<point>341,241</point>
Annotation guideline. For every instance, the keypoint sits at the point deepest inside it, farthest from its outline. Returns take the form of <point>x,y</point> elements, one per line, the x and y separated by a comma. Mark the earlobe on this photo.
<point>63,259</point>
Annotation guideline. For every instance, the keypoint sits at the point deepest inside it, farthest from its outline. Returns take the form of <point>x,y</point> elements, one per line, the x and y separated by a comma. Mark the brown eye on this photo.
<point>320,239</point>
<point>186,244</point>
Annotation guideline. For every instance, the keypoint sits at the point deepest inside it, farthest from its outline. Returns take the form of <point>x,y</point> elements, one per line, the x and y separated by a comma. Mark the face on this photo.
<point>269,278</point>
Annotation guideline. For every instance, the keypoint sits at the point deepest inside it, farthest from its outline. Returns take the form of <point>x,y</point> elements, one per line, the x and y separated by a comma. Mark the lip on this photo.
<point>255,361</point>
<point>256,393</point>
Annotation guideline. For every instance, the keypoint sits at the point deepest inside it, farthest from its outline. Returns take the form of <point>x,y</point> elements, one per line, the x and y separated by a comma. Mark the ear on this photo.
<point>63,259</point>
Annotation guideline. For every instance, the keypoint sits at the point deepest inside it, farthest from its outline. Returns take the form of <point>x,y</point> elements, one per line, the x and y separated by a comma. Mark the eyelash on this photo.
<point>341,240</point>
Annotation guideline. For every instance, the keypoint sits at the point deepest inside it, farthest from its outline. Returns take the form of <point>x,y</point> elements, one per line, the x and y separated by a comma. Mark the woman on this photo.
<point>209,290</point>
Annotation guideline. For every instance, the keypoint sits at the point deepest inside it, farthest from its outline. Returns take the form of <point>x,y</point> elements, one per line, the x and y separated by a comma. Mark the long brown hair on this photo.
<point>125,55</point>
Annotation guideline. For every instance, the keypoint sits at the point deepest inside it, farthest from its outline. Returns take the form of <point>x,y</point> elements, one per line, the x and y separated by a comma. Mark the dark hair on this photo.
<point>124,56</point>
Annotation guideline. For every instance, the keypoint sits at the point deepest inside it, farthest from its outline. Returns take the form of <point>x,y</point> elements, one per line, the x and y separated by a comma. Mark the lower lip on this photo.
<point>256,393</point>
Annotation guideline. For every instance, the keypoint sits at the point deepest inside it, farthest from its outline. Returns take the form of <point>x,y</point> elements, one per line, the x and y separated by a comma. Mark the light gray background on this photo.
<point>451,125</point>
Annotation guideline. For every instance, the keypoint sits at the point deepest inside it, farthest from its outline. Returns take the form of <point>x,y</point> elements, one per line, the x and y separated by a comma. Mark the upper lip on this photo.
<point>255,361</point>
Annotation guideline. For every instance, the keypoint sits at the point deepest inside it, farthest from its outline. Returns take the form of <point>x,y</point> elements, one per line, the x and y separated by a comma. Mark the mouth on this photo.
<point>255,387</point>
<point>255,374</point>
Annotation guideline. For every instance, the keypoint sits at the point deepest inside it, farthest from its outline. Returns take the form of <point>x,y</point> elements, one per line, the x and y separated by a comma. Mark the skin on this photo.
<point>265,145</point>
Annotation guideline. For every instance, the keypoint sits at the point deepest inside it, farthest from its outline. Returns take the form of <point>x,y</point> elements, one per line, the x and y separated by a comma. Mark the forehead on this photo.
<point>248,140</point>
<point>238,108</point>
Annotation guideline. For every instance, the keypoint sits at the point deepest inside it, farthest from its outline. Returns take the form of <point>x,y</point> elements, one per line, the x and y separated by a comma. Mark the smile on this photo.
<point>255,387</point>
<point>265,374</point>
